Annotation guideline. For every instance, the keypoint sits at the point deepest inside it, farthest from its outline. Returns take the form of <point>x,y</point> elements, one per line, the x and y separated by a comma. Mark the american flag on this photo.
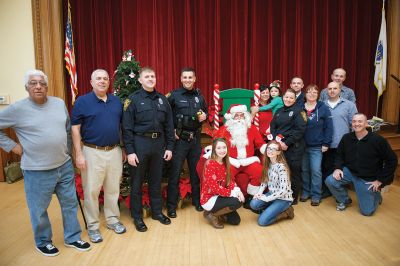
<point>69,57</point>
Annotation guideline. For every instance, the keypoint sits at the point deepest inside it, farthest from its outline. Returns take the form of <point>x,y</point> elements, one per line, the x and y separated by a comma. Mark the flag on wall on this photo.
<point>381,57</point>
<point>69,56</point>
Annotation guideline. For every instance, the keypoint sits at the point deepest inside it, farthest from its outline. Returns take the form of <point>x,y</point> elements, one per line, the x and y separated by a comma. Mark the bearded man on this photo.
<point>243,140</point>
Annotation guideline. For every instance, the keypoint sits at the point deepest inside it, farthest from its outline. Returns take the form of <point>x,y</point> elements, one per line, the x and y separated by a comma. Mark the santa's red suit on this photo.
<point>243,160</point>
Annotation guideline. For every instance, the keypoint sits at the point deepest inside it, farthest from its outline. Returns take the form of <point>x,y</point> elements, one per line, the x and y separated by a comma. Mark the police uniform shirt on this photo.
<point>147,112</point>
<point>188,103</point>
<point>290,122</point>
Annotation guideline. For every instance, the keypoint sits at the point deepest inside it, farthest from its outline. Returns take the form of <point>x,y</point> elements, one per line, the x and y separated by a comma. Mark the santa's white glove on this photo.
<point>263,148</point>
<point>237,189</point>
<point>234,162</point>
<point>235,192</point>
<point>249,160</point>
<point>207,152</point>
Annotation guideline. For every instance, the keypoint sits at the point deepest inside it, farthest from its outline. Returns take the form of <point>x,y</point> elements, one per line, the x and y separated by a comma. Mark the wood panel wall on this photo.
<point>391,97</point>
<point>48,32</point>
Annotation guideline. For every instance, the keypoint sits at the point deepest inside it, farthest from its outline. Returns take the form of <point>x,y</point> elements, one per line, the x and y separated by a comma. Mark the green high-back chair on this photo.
<point>235,96</point>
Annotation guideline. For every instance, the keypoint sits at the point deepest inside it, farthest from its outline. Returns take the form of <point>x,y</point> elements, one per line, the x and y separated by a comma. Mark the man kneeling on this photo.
<point>366,160</point>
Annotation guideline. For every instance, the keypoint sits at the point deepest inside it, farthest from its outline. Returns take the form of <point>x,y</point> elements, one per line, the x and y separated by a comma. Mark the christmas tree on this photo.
<point>125,83</point>
<point>126,76</point>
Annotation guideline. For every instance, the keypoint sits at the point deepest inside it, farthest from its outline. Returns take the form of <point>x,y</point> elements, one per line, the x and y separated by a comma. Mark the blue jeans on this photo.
<point>368,200</point>
<point>270,209</point>
<point>312,175</point>
<point>39,188</point>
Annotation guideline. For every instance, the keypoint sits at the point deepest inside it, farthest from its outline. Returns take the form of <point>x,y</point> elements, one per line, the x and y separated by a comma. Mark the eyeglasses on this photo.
<point>33,83</point>
<point>272,149</point>
<point>238,116</point>
<point>333,88</point>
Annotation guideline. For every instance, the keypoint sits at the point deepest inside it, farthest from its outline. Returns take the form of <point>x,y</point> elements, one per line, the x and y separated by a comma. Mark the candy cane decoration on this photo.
<point>216,107</point>
<point>257,96</point>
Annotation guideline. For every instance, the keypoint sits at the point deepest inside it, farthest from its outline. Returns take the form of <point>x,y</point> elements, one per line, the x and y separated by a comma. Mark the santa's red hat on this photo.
<point>233,109</point>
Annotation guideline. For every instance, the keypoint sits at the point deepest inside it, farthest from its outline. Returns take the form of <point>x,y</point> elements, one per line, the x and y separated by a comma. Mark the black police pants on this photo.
<point>189,150</point>
<point>328,166</point>
<point>150,153</point>
<point>294,157</point>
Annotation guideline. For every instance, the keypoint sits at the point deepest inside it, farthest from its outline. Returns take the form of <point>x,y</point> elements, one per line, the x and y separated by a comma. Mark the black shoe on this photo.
<point>140,225</point>
<point>304,199</point>
<point>246,203</point>
<point>79,245</point>
<point>256,211</point>
<point>171,213</point>
<point>315,202</point>
<point>348,201</point>
<point>49,250</point>
<point>161,218</point>
<point>199,208</point>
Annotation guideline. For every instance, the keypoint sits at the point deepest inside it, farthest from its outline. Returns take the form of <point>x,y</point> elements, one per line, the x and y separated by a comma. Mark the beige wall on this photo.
<point>17,50</point>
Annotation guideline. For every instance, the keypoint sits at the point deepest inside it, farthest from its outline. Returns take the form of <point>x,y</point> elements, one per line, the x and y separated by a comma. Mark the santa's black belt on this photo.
<point>152,135</point>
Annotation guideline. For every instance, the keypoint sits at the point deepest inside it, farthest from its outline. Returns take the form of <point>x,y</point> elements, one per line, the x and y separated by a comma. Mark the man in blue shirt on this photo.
<point>342,111</point>
<point>96,123</point>
<point>339,76</point>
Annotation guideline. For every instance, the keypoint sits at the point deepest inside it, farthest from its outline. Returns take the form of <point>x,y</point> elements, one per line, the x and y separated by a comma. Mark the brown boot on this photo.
<point>223,218</point>
<point>223,211</point>
<point>287,214</point>
<point>214,221</point>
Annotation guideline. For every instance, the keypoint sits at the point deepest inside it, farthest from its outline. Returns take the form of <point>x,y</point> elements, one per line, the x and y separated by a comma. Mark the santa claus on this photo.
<point>243,140</point>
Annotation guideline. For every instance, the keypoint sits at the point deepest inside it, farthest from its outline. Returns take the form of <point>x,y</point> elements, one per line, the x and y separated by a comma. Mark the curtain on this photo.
<point>234,43</point>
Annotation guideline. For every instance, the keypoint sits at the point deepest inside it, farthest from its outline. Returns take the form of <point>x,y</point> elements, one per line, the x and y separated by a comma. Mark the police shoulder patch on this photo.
<point>127,102</point>
<point>303,114</point>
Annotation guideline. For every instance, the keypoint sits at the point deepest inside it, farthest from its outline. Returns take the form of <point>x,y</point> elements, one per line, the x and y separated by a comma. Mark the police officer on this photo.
<point>148,133</point>
<point>189,111</point>
<point>290,123</point>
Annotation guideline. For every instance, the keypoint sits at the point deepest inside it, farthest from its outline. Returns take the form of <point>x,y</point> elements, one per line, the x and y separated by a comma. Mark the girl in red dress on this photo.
<point>219,195</point>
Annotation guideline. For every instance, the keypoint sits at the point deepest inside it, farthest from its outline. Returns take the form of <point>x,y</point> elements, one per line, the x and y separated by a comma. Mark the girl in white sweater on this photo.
<point>276,203</point>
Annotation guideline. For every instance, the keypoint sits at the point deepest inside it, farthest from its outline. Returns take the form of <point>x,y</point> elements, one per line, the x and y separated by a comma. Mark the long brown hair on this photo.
<point>225,160</point>
<point>280,158</point>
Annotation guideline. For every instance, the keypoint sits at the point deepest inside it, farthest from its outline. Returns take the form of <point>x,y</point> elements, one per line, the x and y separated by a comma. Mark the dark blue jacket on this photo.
<point>319,128</point>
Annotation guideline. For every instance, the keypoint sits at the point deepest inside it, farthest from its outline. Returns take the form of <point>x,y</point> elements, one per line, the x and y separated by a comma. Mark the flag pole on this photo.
<point>380,60</point>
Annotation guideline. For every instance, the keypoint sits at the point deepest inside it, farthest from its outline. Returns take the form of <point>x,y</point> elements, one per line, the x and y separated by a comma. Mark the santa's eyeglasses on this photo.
<point>238,116</point>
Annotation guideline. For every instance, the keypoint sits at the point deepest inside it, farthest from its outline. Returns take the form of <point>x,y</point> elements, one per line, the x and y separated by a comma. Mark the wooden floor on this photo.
<point>316,236</point>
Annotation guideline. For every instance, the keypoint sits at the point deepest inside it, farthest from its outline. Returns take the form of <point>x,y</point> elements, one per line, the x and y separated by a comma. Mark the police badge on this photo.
<point>303,114</point>
<point>196,99</point>
<point>127,102</point>
<point>160,101</point>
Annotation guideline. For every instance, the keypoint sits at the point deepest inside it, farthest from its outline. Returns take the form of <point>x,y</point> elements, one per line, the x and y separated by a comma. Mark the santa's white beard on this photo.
<point>238,130</point>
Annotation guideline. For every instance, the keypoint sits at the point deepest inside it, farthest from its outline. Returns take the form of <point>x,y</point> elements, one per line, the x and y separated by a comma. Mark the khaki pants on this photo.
<point>103,169</point>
